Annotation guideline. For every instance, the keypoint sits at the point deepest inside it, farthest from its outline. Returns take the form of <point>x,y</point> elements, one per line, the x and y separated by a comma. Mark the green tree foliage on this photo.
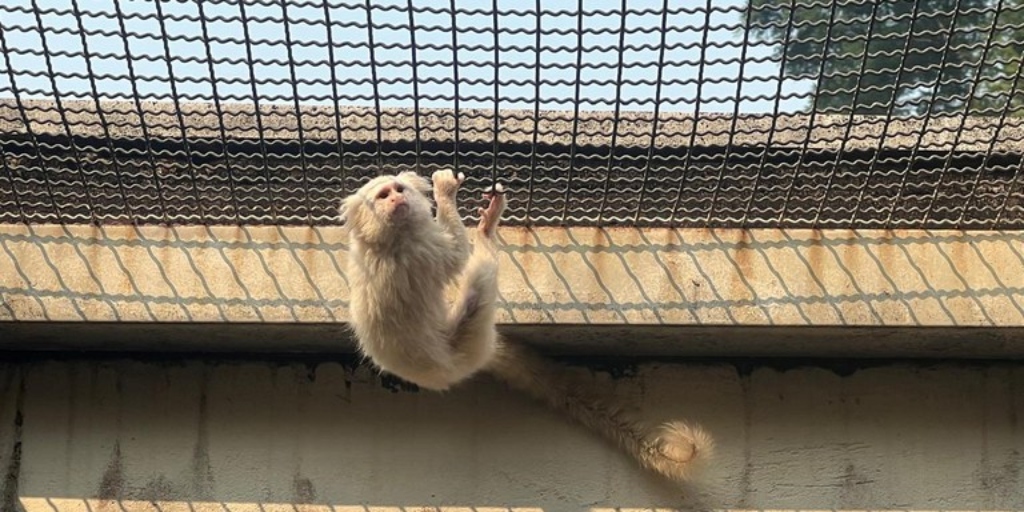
<point>903,56</point>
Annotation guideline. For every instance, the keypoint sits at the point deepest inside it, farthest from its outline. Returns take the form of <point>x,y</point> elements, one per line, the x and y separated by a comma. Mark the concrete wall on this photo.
<point>271,436</point>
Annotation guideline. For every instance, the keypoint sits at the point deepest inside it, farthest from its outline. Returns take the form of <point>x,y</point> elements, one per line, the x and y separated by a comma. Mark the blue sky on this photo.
<point>192,74</point>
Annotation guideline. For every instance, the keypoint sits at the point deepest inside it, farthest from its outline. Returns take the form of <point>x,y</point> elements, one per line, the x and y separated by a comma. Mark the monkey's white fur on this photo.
<point>400,262</point>
<point>402,259</point>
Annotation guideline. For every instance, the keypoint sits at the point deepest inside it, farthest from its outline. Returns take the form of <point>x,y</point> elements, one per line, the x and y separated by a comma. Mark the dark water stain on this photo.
<point>1001,480</point>
<point>854,487</point>
<point>112,483</point>
<point>202,471</point>
<point>12,473</point>
<point>616,370</point>
<point>747,476</point>
<point>72,372</point>
<point>311,371</point>
<point>159,488</point>
<point>303,489</point>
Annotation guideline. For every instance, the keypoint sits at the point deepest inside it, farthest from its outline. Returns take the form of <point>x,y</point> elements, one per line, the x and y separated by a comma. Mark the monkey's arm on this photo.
<point>446,187</point>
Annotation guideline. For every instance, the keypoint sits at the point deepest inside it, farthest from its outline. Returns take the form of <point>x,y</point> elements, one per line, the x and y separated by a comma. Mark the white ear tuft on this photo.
<point>421,184</point>
<point>349,209</point>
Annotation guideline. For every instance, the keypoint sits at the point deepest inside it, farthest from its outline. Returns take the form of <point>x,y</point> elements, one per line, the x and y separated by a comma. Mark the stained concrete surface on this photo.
<point>165,436</point>
<point>665,292</point>
<point>554,276</point>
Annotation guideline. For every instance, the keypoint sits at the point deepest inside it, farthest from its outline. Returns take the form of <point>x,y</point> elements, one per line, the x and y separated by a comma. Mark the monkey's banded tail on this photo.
<point>672,449</point>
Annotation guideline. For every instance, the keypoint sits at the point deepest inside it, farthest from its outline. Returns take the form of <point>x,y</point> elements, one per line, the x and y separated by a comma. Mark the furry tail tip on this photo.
<point>676,449</point>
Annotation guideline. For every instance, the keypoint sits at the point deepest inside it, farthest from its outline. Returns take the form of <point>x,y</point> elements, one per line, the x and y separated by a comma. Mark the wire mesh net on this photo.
<point>642,113</point>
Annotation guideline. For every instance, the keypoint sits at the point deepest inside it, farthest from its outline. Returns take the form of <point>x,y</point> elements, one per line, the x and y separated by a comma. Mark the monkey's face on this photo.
<point>385,204</point>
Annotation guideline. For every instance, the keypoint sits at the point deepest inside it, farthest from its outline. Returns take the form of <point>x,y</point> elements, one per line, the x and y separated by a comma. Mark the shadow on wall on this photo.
<point>550,276</point>
<point>174,435</point>
<point>96,505</point>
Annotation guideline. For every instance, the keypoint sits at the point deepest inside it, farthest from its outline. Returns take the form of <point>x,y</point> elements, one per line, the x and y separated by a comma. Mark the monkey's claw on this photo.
<point>446,183</point>
<point>491,215</point>
<point>498,189</point>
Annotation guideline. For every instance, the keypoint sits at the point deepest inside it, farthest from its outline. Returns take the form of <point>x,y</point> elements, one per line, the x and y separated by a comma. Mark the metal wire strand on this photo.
<point>805,113</point>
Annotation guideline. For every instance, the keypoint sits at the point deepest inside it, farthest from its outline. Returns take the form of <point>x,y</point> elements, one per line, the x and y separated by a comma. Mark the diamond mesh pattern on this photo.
<point>772,114</point>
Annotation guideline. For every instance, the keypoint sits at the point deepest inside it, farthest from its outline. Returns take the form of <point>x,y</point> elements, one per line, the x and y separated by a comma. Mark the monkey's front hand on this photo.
<point>446,184</point>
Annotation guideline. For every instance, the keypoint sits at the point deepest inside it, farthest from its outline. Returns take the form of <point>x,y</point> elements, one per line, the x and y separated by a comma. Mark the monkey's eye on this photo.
<point>384,193</point>
<point>399,188</point>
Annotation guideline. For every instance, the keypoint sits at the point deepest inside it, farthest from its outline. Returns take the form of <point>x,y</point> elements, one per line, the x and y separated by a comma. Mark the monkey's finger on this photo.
<point>461,177</point>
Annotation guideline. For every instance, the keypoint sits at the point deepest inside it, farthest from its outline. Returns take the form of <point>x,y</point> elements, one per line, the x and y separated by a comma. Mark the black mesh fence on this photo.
<point>725,113</point>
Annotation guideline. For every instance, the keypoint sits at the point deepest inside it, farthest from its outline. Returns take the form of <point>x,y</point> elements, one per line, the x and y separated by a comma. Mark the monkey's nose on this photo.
<point>399,207</point>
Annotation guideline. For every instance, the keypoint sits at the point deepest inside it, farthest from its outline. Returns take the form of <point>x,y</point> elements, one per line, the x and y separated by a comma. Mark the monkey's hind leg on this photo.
<point>474,337</point>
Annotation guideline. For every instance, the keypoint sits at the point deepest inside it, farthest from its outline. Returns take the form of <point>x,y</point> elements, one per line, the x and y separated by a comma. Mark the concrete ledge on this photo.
<point>581,277</point>
<point>549,276</point>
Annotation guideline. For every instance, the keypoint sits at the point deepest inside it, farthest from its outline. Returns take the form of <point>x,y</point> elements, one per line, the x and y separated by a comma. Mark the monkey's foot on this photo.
<point>446,183</point>
<point>490,216</point>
